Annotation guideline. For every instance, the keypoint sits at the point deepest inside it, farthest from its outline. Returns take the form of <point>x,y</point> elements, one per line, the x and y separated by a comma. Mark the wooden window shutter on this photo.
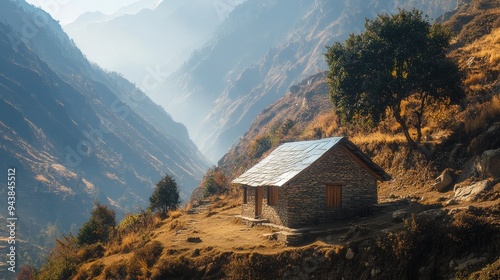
<point>272,195</point>
<point>334,196</point>
<point>245,195</point>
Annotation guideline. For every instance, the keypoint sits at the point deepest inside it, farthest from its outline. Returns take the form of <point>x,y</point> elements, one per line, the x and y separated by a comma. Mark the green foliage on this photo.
<point>165,197</point>
<point>99,227</point>
<point>272,139</point>
<point>132,222</point>
<point>215,182</point>
<point>398,57</point>
<point>209,187</point>
<point>259,146</point>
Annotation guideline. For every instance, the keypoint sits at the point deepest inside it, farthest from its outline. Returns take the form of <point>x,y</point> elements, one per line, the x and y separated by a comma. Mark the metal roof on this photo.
<point>289,159</point>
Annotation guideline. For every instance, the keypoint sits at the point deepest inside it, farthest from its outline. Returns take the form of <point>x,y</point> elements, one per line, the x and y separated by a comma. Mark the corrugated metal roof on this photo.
<point>285,162</point>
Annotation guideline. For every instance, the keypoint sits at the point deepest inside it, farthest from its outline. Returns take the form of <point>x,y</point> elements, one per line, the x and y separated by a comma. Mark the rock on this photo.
<point>469,170</point>
<point>489,164</point>
<point>399,215</point>
<point>350,254</point>
<point>445,180</point>
<point>375,272</point>
<point>451,202</point>
<point>459,152</point>
<point>195,253</point>
<point>471,262</point>
<point>467,192</point>
<point>194,240</point>
<point>432,214</point>
<point>490,139</point>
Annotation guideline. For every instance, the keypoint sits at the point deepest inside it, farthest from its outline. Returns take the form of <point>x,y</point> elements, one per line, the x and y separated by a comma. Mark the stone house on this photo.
<point>311,182</point>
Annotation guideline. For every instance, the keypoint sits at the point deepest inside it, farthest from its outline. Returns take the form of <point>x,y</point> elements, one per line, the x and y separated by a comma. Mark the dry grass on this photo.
<point>177,225</point>
<point>378,137</point>
<point>174,214</point>
<point>487,111</point>
<point>484,50</point>
<point>124,245</point>
<point>475,78</point>
<point>326,123</point>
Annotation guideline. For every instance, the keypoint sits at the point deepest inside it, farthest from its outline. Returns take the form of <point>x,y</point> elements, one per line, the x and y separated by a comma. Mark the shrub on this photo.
<point>92,251</point>
<point>214,182</point>
<point>117,270</point>
<point>91,273</point>
<point>259,146</point>
<point>99,227</point>
<point>144,220</point>
<point>172,268</point>
<point>174,214</point>
<point>63,260</point>
<point>150,253</point>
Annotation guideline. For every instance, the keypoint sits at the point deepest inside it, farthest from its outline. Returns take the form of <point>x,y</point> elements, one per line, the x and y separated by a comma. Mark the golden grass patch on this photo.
<point>174,214</point>
<point>378,137</point>
<point>177,225</point>
<point>487,49</point>
<point>487,111</point>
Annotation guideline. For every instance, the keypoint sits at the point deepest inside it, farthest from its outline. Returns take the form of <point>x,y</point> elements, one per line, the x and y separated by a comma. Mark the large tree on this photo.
<point>165,197</point>
<point>397,57</point>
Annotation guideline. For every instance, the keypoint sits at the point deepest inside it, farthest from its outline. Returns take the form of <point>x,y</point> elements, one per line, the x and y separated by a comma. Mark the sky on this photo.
<point>66,11</point>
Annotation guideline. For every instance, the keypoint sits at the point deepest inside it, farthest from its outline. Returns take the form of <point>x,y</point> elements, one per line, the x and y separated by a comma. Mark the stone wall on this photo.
<point>276,214</point>
<point>303,200</point>
<point>248,209</point>
<point>307,192</point>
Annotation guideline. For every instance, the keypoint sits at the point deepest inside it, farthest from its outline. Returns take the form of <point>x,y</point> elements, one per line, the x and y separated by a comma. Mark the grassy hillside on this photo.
<point>440,237</point>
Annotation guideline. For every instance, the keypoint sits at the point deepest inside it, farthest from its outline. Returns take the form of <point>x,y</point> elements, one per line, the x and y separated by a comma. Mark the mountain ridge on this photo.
<point>77,134</point>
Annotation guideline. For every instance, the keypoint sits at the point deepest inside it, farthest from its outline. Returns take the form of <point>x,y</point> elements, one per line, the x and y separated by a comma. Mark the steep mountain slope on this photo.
<point>150,39</point>
<point>306,111</point>
<point>256,55</point>
<point>76,134</point>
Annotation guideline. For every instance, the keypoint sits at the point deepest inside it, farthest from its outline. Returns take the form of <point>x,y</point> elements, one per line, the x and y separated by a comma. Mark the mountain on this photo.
<point>76,134</point>
<point>415,231</point>
<point>306,111</point>
<point>160,37</point>
<point>96,17</point>
<point>256,54</point>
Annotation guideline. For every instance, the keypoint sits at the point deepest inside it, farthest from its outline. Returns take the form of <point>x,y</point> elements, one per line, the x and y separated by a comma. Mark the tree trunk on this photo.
<point>397,115</point>
<point>420,113</point>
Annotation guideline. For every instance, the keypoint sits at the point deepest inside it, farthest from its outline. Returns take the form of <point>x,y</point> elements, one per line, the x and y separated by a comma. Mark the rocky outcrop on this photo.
<point>489,164</point>
<point>490,139</point>
<point>486,166</point>
<point>445,180</point>
<point>471,192</point>
<point>399,215</point>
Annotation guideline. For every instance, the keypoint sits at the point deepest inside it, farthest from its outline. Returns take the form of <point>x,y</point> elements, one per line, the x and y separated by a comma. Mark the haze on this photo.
<point>66,11</point>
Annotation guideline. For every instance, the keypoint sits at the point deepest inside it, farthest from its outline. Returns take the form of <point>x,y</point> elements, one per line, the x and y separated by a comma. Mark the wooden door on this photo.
<point>333,196</point>
<point>258,201</point>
